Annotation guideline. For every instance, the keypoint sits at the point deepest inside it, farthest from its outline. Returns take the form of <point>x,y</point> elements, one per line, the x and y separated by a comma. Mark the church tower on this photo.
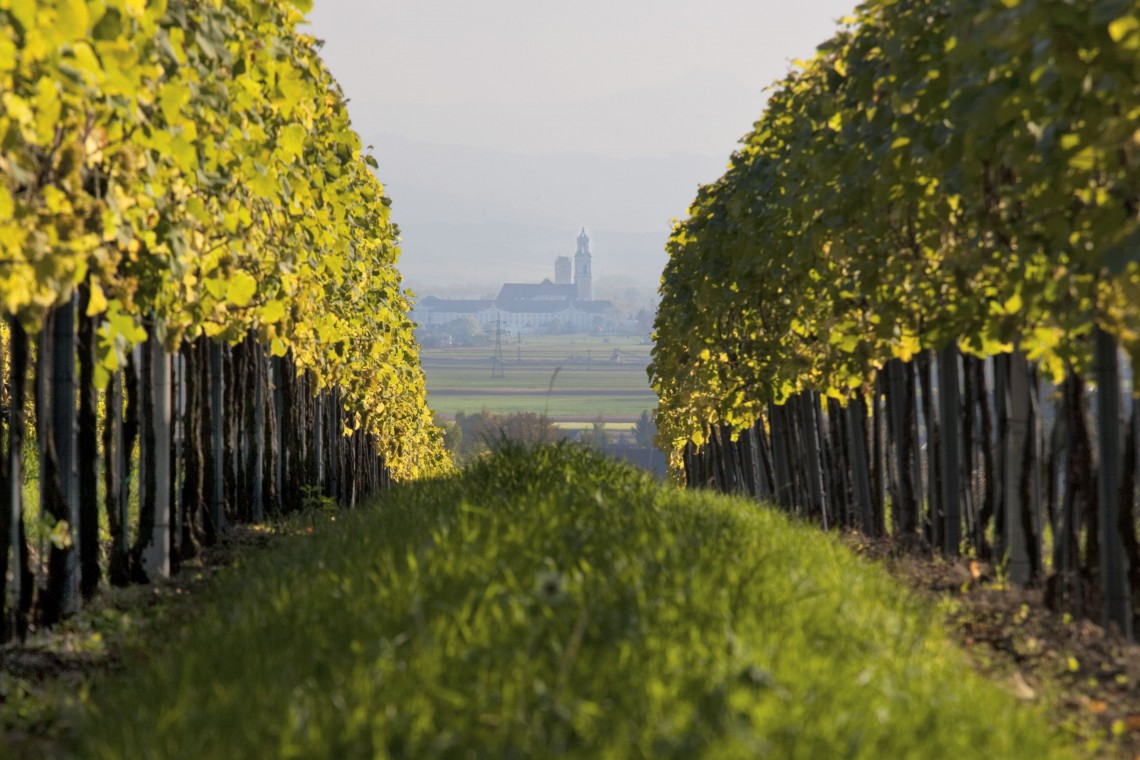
<point>582,271</point>
<point>563,271</point>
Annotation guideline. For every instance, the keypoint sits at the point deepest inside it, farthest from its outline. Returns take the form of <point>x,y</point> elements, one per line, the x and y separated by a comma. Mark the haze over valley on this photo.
<point>475,217</point>
<point>502,129</point>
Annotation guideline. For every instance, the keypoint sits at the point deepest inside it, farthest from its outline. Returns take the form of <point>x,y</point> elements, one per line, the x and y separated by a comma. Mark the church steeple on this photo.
<point>583,278</point>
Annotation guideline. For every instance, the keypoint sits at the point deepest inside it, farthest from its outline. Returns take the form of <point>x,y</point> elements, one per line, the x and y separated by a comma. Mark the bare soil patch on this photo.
<point>1087,679</point>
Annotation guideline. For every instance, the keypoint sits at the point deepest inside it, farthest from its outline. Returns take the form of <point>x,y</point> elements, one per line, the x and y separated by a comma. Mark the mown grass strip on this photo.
<point>554,604</point>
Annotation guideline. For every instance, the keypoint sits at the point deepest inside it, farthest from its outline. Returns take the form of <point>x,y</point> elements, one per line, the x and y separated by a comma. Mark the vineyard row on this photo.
<point>195,260</point>
<point>910,304</point>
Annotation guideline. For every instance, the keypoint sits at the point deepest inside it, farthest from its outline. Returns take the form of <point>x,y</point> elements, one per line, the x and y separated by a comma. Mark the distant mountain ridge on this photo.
<point>471,209</point>
<point>467,212</point>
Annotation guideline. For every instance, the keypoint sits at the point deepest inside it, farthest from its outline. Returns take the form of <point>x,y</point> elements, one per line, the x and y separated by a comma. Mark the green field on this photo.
<point>571,378</point>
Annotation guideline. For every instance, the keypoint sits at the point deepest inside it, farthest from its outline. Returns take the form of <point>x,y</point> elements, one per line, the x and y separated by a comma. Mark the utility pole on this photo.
<point>497,359</point>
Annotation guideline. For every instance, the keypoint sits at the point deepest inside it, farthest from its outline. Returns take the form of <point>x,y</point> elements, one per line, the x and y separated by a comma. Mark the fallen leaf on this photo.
<point>1021,689</point>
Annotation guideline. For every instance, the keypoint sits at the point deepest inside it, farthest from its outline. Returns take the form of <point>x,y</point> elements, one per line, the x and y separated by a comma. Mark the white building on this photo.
<point>529,307</point>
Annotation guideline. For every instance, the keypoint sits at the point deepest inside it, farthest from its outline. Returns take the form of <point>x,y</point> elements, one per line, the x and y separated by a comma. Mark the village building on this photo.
<point>565,304</point>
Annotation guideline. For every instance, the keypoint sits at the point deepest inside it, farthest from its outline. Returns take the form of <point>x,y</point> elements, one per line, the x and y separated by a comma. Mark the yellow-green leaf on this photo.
<point>72,19</point>
<point>56,200</point>
<point>7,55</point>
<point>16,108</point>
<point>25,12</point>
<point>215,287</point>
<point>48,109</point>
<point>7,207</point>
<point>60,535</point>
<point>97,302</point>
<point>241,288</point>
<point>1121,28</point>
<point>292,140</point>
<point>1085,160</point>
<point>174,96</point>
<point>272,312</point>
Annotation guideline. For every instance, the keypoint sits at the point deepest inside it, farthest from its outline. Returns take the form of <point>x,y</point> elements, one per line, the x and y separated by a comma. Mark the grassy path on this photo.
<point>556,605</point>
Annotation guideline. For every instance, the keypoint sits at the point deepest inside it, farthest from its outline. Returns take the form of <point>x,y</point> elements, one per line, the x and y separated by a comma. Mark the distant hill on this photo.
<point>483,196</point>
<point>470,213</point>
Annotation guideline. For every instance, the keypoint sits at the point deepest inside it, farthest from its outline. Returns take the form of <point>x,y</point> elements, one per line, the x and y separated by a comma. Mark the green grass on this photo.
<point>548,347</point>
<point>537,377</point>
<point>555,604</point>
<point>560,408</point>
<point>611,427</point>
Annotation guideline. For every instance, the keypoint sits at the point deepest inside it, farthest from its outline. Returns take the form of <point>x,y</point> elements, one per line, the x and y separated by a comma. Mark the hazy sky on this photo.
<point>619,79</point>
<point>553,52</point>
